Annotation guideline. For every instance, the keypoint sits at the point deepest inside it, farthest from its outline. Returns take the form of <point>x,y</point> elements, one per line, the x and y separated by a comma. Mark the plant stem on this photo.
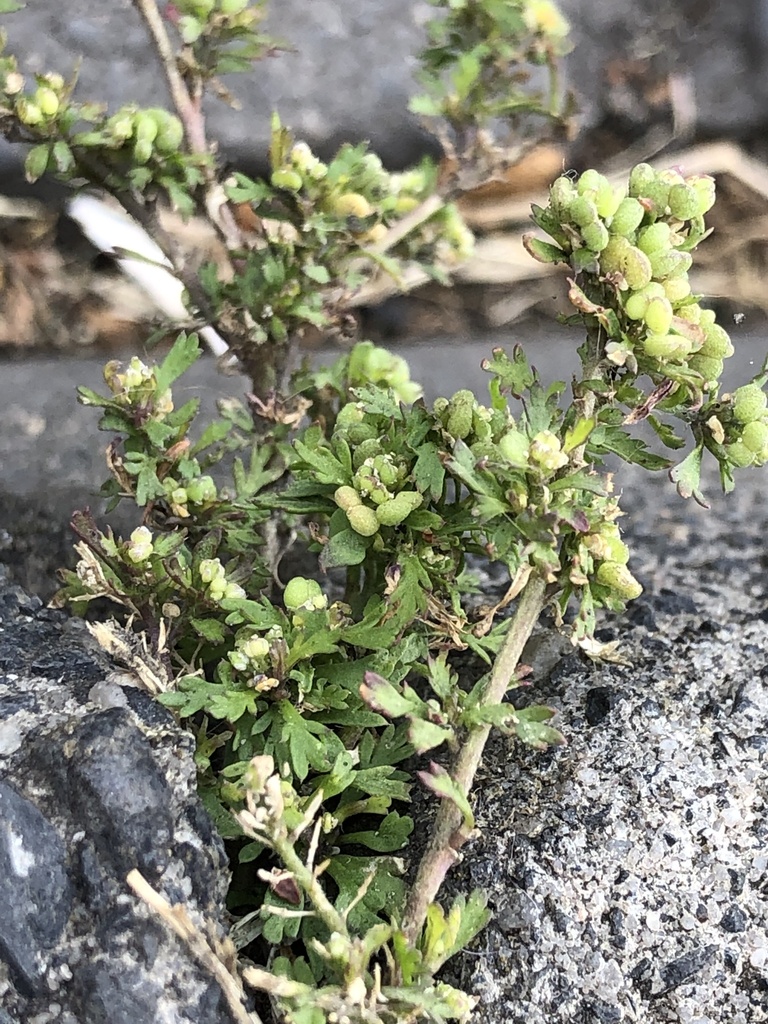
<point>190,114</point>
<point>306,879</point>
<point>449,834</point>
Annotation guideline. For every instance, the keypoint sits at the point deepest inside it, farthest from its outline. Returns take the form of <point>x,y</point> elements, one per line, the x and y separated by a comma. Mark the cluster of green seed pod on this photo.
<point>371,364</point>
<point>639,238</point>
<point>151,133</point>
<point>746,430</point>
<point>200,491</point>
<point>369,504</point>
<point>356,194</point>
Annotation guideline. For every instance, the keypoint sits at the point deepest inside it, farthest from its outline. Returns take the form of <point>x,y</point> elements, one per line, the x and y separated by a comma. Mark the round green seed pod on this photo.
<point>636,305</point>
<point>637,269</point>
<point>677,288</point>
<point>667,347</point>
<point>618,550</point>
<point>287,179</point>
<point>397,509</point>
<point>47,101</point>
<point>717,344</point>
<point>363,520</point>
<point>627,218</point>
<point>346,498</point>
<point>690,313</point>
<point>683,202</point>
<point>460,412</point>
<point>739,454</point>
<point>612,258</point>
<point>299,592</point>
<point>595,236</point>
<point>704,187</point>
<point>749,403</point>
<point>709,368</point>
<point>583,211</point>
<point>591,181</point>
<point>658,315</point>
<point>619,579</point>
<point>640,178</point>
<point>755,435</point>
<point>561,195</point>
<point>608,199</point>
<point>654,238</point>
<point>670,263</point>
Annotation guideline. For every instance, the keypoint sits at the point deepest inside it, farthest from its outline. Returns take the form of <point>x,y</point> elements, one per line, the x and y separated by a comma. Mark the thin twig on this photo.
<point>179,921</point>
<point>190,113</point>
<point>449,834</point>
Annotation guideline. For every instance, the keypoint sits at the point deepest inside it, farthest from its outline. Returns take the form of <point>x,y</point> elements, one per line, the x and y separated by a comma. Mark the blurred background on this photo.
<point>677,82</point>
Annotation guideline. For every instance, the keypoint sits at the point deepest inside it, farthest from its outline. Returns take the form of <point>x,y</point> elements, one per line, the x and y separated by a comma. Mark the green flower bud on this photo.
<point>546,450</point>
<point>386,470</point>
<point>170,131</point>
<point>739,455</point>
<point>749,403</point>
<point>363,520</point>
<point>179,496</point>
<point>690,313</point>
<point>619,579</point>
<point>216,588</point>
<point>140,545</point>
<point>211,569</point>
<point>397,509</point>
<point>439,406</point>
<point>583,211</point>
<point>755,435</point>
<point>640,178</point>
<point>657,193</point>
<point>201,490</point>
<point>636,304</point>
<point>654,238</point>
<point>627,218</point>
<point>658,316</point>
<point>286,179</point>
<point>683,202</point>
<point>708,316</point>
<point>717,343</point>
<point>346,498</point>
<point>255,648</point>
<point>670,263</point>
<point>595,236</point>
<point>709,368</point>
<point>302,593</point>
<point>120,125</point>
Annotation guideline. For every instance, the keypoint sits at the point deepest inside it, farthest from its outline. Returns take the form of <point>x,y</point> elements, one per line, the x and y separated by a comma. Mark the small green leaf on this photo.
<point>544,252</point>
<point>391,835</point>
<point>531,728</point>
<point>344,548</point>
<point>426,736</point>
<point>379,694</point>
<point>429,471</point>
<point>515,374</point>
<point>36,162</point>
<point>440,782</point>
<point>210,629</point>
<point>318,273</point>
<point>183,354</point>
<point>687,476</point>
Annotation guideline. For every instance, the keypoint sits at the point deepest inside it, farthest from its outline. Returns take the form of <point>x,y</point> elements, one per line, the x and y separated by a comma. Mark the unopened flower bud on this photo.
<point>140,545</point>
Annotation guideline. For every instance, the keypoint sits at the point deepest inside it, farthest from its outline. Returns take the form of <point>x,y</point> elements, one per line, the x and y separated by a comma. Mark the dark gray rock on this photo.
<point>95,780</point>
